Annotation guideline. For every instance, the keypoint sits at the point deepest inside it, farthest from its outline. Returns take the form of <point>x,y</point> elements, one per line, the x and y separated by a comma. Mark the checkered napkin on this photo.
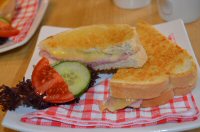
<point>25,14</point>
<point>86,113</point>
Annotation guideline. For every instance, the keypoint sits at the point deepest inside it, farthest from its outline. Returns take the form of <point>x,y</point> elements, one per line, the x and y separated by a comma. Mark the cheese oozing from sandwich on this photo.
<point>112,104</point>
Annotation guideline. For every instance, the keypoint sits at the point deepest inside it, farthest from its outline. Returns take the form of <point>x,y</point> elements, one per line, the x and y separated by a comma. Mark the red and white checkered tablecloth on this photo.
<point>26,11</point>
<point>86,113</point>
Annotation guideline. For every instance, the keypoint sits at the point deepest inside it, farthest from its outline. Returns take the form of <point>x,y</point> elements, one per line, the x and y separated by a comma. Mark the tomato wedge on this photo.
<point>58,93</point>
<point>6,30</point>
<point>46,80</point>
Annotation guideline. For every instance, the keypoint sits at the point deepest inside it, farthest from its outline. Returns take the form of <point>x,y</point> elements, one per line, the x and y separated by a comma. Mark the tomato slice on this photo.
<point>46,80</point>
<point>58,93</point>
<point>6,30</point>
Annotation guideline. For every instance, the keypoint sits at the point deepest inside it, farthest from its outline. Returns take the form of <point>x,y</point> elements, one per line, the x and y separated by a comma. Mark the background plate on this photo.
<point>12,118</point>
<point>40,13</point>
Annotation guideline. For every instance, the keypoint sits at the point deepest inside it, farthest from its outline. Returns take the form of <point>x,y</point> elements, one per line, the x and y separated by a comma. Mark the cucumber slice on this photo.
<point>75,74</point>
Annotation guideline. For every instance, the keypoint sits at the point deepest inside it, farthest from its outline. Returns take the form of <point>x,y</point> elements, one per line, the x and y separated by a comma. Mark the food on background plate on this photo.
<point>61,83</point>
<point>7,12</point>
<point>100,46</point>
<point>7,9</point>
<point>170,71</point>
<point>6,30</point>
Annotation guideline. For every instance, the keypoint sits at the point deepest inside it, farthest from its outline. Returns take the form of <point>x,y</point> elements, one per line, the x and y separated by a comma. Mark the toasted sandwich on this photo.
<point>100,46</point>
<point>169,71</point>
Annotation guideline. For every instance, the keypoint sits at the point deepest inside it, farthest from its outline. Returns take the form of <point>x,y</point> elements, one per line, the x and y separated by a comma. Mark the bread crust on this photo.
<point>184,79</point>
<point>138,91</point>
<point>181,91</point>
<point>160,100</point>
<point>168,94</point>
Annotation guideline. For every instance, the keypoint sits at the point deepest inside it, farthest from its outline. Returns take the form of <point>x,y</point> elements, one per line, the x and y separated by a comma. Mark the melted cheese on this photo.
<point>113,104</point>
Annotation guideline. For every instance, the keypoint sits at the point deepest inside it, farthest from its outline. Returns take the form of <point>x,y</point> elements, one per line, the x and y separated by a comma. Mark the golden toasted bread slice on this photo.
<point>102,46</point>
<point>168,66</point>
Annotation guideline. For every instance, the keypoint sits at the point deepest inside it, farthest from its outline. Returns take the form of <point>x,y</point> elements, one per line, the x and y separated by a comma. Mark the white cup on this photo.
<point>187,10</point>
<point>131,4</point>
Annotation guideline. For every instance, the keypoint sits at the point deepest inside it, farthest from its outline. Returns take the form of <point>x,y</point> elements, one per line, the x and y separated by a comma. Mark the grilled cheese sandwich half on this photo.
<point>170,70</point>
<point>101,46</point>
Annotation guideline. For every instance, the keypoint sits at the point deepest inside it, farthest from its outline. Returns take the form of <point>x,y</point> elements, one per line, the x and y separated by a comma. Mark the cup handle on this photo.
<point>166,6</point>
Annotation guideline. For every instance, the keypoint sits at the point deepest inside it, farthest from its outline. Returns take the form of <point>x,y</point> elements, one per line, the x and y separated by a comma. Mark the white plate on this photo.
<point>12,119</point>
<point>40,13</point>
